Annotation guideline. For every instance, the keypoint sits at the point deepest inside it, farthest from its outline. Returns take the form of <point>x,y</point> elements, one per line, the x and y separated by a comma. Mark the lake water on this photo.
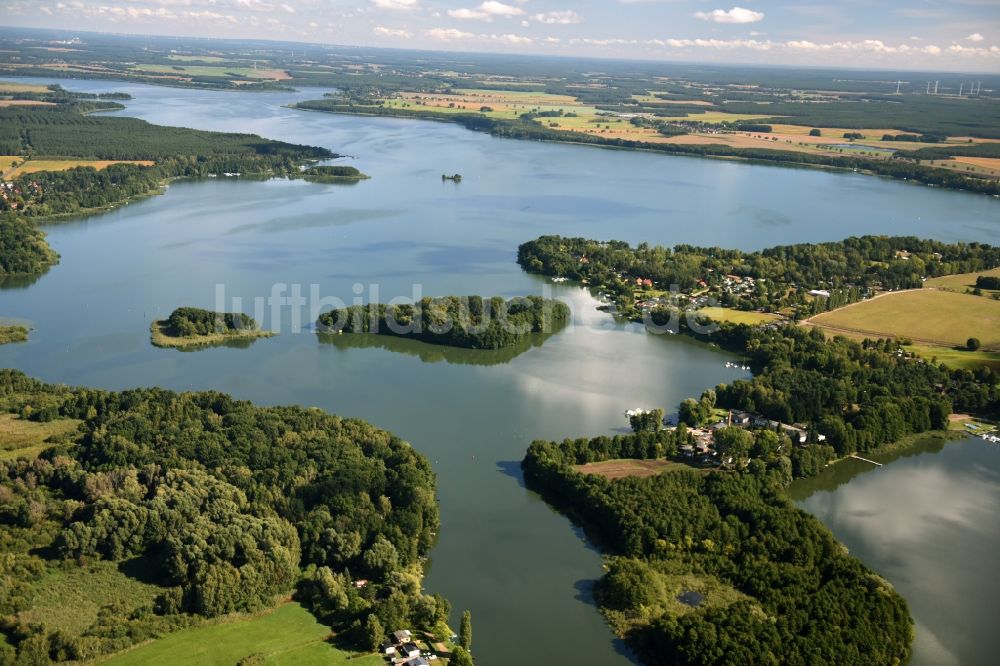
<point>928,523</point>
<point>523,570</point>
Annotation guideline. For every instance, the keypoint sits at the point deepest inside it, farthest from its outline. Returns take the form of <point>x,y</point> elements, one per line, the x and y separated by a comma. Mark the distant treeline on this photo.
<point>457,321</point>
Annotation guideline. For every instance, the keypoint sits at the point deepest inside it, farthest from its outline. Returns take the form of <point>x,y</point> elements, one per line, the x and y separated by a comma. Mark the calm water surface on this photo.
<point>928,523</point>
<point>523,570</point>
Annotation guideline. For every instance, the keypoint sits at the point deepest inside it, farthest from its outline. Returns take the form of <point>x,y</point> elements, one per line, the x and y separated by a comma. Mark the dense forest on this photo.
<point>457,321</point>
<point>783,276</point>
<point>213,504</point>
<point>23,250</point>
<point>187,322</point>
<point>771,584</point>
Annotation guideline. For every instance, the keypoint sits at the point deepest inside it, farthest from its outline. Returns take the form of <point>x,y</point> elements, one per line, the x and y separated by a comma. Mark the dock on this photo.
<point>877,464</point>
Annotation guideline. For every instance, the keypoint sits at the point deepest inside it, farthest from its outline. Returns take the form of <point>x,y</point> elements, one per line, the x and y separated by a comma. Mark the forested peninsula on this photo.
<point>187,506</point>
<point>794,280</point>
<point>67,162</point>
<point>770,584</point>
<point>709,562</point>
<point>471,322</point>
<point>193,327</point>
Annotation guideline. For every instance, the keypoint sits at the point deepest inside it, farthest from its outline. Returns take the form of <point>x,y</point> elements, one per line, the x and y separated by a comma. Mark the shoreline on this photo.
<point>651,149</point>
<point>158,338</point>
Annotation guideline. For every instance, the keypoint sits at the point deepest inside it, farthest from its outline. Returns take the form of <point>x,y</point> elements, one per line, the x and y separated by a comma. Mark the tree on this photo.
<point>735,442</point>
<point>374,632</point>
<point>465,631</point>
<point>815,132</point>
<point>460,657</point>
<point>649,420</point>
<point>972,344</point>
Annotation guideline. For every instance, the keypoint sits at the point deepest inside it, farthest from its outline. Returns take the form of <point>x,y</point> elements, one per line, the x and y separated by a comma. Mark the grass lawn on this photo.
<point>959,359</point>
<point>958,282</point>
<point>286,635</point>
<point>22,438</point>
<point>617,469</point>
<point>33,166</point>
<point>926,316</point>
<point>70,600</point>
<point>738,316</point>
<point>6,161</point>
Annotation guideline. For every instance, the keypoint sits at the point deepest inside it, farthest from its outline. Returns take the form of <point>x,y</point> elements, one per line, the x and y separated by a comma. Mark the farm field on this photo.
<point>960,281</point>
<point>286,635</point>
<point>211,70</point>
<point>9,87</point>
<point>926,316</point>
<point>22,438</point>
<point>23,102</point>
<point>33,166</point>
<point>617,469</point>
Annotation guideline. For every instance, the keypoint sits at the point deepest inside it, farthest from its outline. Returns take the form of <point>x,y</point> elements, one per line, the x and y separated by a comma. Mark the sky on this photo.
<point>948,35</point>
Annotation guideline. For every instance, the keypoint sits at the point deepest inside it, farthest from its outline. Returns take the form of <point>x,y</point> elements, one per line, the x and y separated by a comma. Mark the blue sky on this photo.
<point>962,35</point>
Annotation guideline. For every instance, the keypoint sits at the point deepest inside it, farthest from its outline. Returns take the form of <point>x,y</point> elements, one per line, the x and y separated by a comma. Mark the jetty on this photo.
<point>877,464</point>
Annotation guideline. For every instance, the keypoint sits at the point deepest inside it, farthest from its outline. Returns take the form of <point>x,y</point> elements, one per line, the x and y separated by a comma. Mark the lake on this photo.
<point>523,570</point>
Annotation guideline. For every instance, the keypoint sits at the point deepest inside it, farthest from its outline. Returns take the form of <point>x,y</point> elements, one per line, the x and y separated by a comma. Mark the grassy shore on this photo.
<point>161,338</point>
<point>286,635</point>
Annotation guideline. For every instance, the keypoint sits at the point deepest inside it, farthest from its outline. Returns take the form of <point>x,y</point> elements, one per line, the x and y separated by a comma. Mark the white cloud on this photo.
<point>734,15</point>
<point>382,31</point>
<point>396,5</point>
<point>448,34</point>
<point>563,17</point>
<point>487,11</point>
<point>975,37</point>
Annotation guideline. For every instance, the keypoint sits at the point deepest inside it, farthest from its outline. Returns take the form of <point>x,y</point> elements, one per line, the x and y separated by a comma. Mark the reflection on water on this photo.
<point>429,353</point>
<point>231,343</point>
<point>928,523</point>
<point>19,281</point>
